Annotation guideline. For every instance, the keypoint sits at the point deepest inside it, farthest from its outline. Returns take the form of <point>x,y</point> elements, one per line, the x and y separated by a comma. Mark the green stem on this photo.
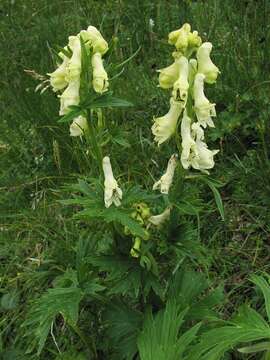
<point>93,136</point>
<point>90,346</point>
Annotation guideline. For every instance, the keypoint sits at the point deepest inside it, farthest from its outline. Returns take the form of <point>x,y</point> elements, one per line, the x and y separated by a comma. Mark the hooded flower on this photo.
<point>181,85</point>
<point>187,141</point>
<point>165,182</point>
<point>158,220</point>
<point>195,152</point>
<point>58,77</point>
<point>94,38</point>
<point>203,108</point>
<point>112,192</point>
<point>203,158</point>
<point>78,126</point>
<point>70,96</point>
<point>165,126</point>
<point>179,38</point>
<point>168,76</point>
<point>74,64</point>
<point>205,64</point>
<point>100,77</point>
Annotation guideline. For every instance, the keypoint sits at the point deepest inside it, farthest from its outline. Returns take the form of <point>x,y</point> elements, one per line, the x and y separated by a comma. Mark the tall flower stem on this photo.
<point>93,136</point>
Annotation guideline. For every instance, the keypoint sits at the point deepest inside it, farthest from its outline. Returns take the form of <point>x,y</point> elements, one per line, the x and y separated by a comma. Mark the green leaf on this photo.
<point>262,346</point>
<point>106,100</point>
<point>265,288</point>
<point>213,186</point>
<point>74,112</point>
<point>123,327</point>
<point>161,337</point>
<point>55,301</point>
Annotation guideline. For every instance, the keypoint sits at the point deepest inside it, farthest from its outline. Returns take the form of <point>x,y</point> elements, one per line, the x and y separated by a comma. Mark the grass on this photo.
<point>38,236</point>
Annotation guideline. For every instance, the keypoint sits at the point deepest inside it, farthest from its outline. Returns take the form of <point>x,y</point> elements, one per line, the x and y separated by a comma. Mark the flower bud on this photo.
<point>205,64</point>
<point>135,251</point>
<point>112,192</point>
<point>164,127</point>
<point>179,38</point>
<point>165,182</point>
<point>202,106</point>
<point>194,40</point>
<point>181,85</point>
<point>78,126</point>
<point>100,77</point>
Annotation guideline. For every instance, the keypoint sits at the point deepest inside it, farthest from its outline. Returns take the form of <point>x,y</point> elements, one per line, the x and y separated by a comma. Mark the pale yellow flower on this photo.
<point>70,96</point>
<point>164,127</point>
<point>94,39</point>
<point>168,75</point>
<point>100,77</point>
<point>205,64</point>
<point>203,108</point>
<point>158,220</point>
<point>195,152</point>
<point>187,141</point>
<point>203,158</point>
<point>78,126</point>
<point>74,64</point>
<point>112,192</point>
<point>58,77</point>
<point>181,85</point>
<point>165,182</point>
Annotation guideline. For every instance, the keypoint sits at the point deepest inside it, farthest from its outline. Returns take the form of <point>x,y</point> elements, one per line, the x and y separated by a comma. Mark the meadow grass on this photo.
<point>38,157</point>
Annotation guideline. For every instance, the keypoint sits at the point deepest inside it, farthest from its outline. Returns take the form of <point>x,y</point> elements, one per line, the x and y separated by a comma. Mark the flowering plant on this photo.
<point>136,235</point>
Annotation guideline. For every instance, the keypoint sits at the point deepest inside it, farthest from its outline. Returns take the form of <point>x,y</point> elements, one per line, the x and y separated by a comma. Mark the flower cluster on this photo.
<point>186,78</point>
<point>66,78</point>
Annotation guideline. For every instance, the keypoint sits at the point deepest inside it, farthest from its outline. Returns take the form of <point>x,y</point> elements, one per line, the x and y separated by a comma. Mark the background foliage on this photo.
<point>45,253</point>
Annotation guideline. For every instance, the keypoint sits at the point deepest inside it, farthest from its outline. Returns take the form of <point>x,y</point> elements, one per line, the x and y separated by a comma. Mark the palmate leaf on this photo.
<point>112,215</point>
<point>190,289</point>
<point>247,326</point>
<point>94,208</point>
<point>103,101</point>
<point>125,276</point>
<point>64,301</point>
<point>123,324</point>
<point>106,100</point>
<point>161,338</point>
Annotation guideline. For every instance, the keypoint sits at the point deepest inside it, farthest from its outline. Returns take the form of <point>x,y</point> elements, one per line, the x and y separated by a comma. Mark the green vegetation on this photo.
<point>70,287</point>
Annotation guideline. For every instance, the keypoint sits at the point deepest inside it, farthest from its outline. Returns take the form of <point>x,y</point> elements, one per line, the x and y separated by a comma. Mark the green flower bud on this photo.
<point>135,251</point>
<point>179,38</point>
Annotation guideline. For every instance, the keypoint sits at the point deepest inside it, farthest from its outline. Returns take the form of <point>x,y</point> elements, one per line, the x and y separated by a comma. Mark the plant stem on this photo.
<point>93,136</point>
<point>90,346</point>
